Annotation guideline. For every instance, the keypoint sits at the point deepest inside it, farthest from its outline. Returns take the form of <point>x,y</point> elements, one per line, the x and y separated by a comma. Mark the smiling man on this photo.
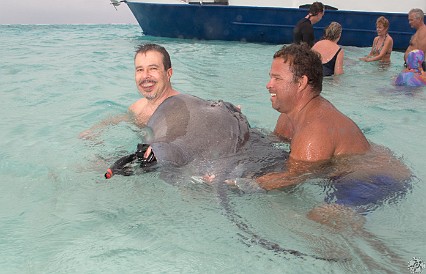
<point>317,131</point>
<point>153,70</point>
<point>325,143</point>
<point>182,127</point>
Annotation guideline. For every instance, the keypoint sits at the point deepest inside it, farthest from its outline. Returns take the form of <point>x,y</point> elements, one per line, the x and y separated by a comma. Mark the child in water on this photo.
<point>413,75</point>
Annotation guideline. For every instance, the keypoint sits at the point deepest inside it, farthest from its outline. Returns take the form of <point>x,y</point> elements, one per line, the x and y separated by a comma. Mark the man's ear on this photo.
<point>303,82</point>
<point>169,73</point>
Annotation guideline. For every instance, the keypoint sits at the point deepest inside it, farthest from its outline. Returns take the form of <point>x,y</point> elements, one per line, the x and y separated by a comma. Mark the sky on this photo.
<point>64,12</point>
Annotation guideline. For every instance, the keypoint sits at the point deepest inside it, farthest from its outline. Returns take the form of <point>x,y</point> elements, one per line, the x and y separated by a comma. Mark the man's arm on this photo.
<point>410,47</point>
<point>313,143</point>
<point>96,129</point>
<point>132,116</point>
<point>309,150</point>
<point>275,180</point>
<point>296,172</point>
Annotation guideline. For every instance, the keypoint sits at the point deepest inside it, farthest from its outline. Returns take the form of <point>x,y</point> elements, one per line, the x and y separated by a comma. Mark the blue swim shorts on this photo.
<point>366,193</point>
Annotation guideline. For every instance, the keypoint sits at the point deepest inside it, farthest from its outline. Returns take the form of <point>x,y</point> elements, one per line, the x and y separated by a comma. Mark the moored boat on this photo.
<point>271,21</point>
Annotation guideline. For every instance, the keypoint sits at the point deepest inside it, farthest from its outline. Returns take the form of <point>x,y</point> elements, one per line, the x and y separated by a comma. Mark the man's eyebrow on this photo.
<point>151,65</point>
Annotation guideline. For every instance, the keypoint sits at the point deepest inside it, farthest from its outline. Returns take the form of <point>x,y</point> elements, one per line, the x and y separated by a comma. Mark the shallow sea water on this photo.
<point>58,214</point>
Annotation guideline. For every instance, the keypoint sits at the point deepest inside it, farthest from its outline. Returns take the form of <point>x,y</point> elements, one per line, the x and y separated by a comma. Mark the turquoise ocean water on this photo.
<point>58,214</point>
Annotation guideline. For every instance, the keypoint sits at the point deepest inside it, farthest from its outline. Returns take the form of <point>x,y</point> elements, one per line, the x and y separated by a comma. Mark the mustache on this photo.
<point>143,81</point>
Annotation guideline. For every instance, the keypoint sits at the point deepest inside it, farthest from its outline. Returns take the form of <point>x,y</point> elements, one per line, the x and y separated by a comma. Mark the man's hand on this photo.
<point>276,180</point>
<point>145,155</point>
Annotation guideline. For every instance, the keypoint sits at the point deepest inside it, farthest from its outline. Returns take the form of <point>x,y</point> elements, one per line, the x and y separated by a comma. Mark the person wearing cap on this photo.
<point>413,75</point>
<point>303,32</point>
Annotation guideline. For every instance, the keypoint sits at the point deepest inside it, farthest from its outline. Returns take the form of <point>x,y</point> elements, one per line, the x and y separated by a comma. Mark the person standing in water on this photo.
<point>303,32</point>
<point>382,43</point>
<point>418,40</point>
<point>325,143</point>
<point>153,71</point>
<point>331,53</point>
<point>317,131</point>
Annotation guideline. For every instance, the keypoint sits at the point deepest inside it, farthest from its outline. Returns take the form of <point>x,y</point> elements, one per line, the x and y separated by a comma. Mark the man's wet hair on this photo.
<point>303,61</point>
<point>144,48</point>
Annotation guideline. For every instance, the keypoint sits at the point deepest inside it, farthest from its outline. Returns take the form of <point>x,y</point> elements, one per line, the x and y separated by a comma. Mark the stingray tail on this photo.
<point>255,238</point>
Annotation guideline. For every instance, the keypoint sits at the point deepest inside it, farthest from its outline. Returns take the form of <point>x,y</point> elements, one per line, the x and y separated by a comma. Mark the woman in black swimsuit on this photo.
<point>331,53</point>
<point>382,44</point>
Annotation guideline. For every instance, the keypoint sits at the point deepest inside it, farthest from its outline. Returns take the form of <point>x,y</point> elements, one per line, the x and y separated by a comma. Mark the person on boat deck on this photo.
<point>331,54</point>
<point>382,43</point>
<point>413,75</point>
<point>303,32</point>
<point>323,141</point>
<point>418,40</point>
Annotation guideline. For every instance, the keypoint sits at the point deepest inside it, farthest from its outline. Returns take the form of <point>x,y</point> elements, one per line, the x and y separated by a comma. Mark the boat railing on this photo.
<point>207,2</point>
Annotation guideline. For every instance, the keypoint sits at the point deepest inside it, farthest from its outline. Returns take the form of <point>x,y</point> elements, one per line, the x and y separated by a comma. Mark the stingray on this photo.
<point>191,137</point>
<point>187,128</point>
<point>209,137</point>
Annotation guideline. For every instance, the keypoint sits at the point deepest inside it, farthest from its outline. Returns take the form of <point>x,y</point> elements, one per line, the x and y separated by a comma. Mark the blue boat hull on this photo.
<point>260,24</point>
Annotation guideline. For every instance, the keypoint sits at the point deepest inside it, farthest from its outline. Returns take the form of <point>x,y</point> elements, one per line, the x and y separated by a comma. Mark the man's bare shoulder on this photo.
<point>315,126</point>
<point>140,112</point>
<point>317,123</point>
<point>326,122</point>
<point>138,106</point>
<point>312,142</point>
<point>324,112</point>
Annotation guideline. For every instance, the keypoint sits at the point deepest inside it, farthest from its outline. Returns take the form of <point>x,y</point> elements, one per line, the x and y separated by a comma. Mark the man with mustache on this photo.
<point>153,70</point>
<point>179,127</point>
